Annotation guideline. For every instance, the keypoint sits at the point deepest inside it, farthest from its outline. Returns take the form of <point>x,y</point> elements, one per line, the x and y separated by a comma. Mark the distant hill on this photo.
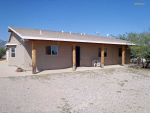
<point>2,43</point>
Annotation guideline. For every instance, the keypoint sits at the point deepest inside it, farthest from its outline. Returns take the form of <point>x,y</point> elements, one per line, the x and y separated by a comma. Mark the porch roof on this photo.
<point>36,34</point>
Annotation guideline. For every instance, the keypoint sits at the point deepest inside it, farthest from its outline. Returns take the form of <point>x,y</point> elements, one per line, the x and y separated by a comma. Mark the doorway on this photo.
<point>77,56</point>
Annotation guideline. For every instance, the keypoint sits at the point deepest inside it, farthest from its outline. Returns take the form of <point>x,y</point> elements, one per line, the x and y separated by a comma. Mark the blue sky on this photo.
<point>78,16</point>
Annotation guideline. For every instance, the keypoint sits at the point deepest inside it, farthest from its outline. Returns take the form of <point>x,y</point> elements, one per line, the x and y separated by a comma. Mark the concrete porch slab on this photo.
<point>70,69</point>
<point>9,71</point>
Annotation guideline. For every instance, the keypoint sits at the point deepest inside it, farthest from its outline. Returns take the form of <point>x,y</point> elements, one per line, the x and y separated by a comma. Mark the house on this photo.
<point>33,49</point>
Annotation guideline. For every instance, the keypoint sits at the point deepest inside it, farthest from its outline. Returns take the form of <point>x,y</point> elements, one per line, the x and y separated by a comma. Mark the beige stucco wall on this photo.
<point>89,52</point>
<point>28,55</point>
<point>18,60</point>
<point>62,60</point>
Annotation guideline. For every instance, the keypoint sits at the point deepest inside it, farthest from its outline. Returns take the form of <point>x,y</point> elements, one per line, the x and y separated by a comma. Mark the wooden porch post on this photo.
<point>33,57</point>
<point>74,57</point>
<point>102,56</point>
<point>123,55</point>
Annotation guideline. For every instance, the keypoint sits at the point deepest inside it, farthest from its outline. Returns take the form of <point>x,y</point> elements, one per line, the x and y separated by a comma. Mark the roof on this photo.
<point>36,34</point>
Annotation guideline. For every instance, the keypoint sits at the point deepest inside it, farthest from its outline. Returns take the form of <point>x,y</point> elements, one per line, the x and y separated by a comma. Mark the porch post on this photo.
<point>123,55</point>
<point>74,57</point>
<point>33,57</point>
<point>102,56</point>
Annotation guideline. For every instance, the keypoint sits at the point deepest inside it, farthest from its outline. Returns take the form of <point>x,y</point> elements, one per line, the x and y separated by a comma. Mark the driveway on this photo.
<point>119,90</point>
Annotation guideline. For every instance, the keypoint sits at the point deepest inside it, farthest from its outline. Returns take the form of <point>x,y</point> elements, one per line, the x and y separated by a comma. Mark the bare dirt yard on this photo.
<point>119,90</point>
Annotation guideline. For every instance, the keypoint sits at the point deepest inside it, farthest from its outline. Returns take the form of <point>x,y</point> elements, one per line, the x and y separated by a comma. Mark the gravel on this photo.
<point>119,90</point>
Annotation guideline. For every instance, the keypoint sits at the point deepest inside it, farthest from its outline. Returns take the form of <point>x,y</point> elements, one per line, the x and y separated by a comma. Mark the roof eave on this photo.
<point>10,30</point>
<point>71,40</point>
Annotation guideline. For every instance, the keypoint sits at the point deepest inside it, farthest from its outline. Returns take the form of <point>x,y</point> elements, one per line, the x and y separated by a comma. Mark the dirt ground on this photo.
<point>119,90</point>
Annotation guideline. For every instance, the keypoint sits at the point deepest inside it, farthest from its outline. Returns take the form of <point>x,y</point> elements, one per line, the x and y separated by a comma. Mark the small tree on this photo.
<point>2,52</point>
<point>122,37</point>
<point>142,47</point>
<point>128,37</point>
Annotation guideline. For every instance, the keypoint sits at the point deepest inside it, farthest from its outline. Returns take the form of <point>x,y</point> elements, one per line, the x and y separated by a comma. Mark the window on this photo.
<point>48,50</point>
<point>51,50</point>
<point>12,51</point>
<point>54,50</point>
<point>99,52</point>
<point>105,52</point>
<point>120,52</point>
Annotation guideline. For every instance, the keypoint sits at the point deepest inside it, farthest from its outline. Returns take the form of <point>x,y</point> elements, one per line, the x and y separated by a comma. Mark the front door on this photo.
<point>77,56</point>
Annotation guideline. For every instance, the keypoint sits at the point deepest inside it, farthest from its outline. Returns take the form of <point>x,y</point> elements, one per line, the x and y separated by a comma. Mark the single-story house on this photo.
<point>33,49</point>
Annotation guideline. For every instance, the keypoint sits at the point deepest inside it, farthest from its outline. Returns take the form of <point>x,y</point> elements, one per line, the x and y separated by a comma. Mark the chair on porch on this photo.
<point>96,63</point>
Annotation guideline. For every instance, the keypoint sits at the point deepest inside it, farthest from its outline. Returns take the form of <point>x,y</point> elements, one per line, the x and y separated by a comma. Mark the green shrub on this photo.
<point>2,52</point>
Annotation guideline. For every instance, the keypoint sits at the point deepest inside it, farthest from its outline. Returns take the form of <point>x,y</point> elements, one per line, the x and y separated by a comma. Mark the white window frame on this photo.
<point>12,52</point>
<point>51,50</point>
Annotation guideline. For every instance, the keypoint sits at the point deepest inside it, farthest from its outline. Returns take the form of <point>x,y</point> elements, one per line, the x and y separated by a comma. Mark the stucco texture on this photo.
<point>18,60</point>
<point>88,52</point>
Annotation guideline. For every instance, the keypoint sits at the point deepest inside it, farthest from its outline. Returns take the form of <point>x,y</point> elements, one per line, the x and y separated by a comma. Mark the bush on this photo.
<point>2,52</point>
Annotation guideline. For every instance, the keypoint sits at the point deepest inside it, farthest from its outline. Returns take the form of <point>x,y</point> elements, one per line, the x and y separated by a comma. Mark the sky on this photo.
<point>78,16</point>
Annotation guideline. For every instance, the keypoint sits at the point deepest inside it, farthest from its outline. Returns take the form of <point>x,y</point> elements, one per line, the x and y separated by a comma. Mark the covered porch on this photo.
<point>74,59</point>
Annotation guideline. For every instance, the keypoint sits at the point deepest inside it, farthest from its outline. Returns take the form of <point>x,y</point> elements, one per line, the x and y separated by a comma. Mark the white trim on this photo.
<point>73,40</point>
<point>15,32</point>
<point>10,44</point>
<point>13,52</point>
<point>68,40</point>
